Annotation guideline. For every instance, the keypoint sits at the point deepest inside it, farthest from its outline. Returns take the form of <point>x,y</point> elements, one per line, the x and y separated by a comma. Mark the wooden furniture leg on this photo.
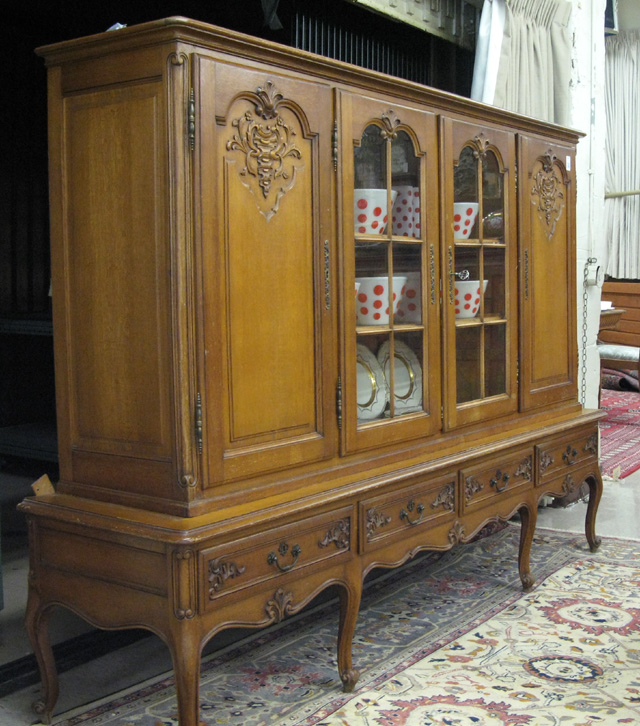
<point>595,493</point>
<point>37,625</point>
<point>528,518</point>
<point>349,606</point>
<point>185,645</point>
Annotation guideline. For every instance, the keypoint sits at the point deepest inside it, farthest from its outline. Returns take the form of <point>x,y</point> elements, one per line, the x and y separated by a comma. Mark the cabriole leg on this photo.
<point>528,520</point>
<point>37,625</point>
<point>349,607</point>
<point>595,493</point>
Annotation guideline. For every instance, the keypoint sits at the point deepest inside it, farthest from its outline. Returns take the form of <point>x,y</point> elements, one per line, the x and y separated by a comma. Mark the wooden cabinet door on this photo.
<point>262,176</point>
<point>479,256</point>
<point>388,195</point>
<point>547,272</point>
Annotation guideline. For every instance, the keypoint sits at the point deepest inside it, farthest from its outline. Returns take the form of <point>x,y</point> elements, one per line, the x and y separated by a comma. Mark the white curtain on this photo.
<point>622,147</point>
<point>523,58</point>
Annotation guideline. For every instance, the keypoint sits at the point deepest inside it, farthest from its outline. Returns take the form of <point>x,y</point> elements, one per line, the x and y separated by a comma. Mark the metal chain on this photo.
<point>583,349</point>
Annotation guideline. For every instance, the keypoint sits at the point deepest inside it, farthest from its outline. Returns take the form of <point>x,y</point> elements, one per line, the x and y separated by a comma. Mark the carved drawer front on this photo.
<point>564,454</point>
<point>290,549</point>
<point>400,512</point>
<point>498,478</point>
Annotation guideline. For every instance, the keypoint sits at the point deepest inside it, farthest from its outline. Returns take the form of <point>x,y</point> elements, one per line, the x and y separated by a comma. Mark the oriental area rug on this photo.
<point>620,433</point>
<point>449,638</point>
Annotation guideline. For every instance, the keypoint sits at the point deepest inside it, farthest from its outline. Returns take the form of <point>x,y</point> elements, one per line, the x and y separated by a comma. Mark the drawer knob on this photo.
<point>411,506</point>
<point>272,557</point>
<point>569,456</point>
<point>496,481</point>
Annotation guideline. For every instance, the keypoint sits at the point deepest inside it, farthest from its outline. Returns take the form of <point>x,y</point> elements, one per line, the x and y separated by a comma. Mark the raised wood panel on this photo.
<point>118,328</point>
<point>266,271</point>
<point>547,264</point>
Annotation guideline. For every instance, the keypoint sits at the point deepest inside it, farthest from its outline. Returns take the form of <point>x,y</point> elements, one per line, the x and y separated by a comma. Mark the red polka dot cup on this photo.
<point>405,216</point>
<point>464,217</point>
<point>372,300</point>
<point>370,210</point>
<point>467,297</point>
<point>410,305</point>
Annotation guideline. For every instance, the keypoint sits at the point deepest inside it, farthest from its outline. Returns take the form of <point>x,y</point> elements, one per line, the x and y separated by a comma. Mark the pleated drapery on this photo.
<point>622,148</point>
<point>523,58</point>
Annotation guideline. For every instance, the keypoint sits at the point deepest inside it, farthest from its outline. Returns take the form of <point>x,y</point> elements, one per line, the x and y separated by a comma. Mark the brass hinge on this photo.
<point>198,422</point>
<point>339,402</point>
<point>191,120</point>
<point>335,145</point>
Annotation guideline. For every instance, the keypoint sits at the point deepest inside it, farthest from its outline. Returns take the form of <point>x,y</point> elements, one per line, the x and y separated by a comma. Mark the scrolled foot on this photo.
<point>528,581</point>
<point>40,708</point>
<point>593,545</point>
<point>349,679</point>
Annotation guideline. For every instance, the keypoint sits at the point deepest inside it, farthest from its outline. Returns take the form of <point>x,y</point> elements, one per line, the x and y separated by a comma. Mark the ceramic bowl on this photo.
<point>464,217</point>
<point>370,210</point>
<point>405,216</point>
<point>372,300</point>
<point>467,297</point>
<point>410,305</point>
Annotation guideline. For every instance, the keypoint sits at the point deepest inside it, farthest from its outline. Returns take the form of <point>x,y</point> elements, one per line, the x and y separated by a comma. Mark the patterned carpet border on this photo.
<point>417,623</point>
<point>620,433</point>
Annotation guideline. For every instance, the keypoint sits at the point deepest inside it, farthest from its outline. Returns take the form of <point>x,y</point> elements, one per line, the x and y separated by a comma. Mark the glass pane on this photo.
<point>495,356</point>
<point>407,264</point>
<point>465,190</point>
<point>468,363</point>
<point>405,184</point>
<point>372,395</point>
<point>492,199</point>
<point>370,193</point>
<point>406,380</point>
<point>494,273</point>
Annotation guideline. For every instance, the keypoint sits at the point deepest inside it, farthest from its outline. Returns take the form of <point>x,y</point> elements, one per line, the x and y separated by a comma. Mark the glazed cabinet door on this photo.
<point>479,256</point>
<point>389,247</point>
<point>547,271</point>
<point>262,173</point>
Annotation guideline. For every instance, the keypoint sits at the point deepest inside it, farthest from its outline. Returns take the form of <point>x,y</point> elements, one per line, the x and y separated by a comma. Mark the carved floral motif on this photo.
<point>280,606</point>
<point>456,533</point>
<point>472,486</point>
<point>375,520</point>
<point>445,498</point>
<point>338,534</point>
<point>545,461</point>
<point>549,192</point>
<point>219,572</point>
<point>525,469</point>
<point>591,444</point>
<point>266,142</point>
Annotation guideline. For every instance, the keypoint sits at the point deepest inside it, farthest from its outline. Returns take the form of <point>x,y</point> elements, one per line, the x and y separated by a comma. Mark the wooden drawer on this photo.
<point>499,477</point>
<point>561,455</point>
<point>270,555</point>
<point>393,514</point>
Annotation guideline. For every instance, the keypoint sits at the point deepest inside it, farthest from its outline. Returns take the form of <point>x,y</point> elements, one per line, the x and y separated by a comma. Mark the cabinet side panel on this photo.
<point>116,271</point>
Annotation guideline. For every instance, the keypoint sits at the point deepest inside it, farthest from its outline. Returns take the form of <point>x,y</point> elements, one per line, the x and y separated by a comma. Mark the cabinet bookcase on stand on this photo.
<point>306,324</point>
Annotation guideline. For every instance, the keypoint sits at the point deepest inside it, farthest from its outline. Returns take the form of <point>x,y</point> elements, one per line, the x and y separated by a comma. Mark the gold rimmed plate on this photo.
<point>407,374</point>
<point>372,388</point>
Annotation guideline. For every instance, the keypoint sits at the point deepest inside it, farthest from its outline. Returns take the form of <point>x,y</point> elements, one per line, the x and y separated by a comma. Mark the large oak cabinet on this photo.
<point>309,320</point>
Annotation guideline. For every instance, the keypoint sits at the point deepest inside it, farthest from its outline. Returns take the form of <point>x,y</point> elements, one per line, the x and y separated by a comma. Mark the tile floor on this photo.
<point>618,516</point>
